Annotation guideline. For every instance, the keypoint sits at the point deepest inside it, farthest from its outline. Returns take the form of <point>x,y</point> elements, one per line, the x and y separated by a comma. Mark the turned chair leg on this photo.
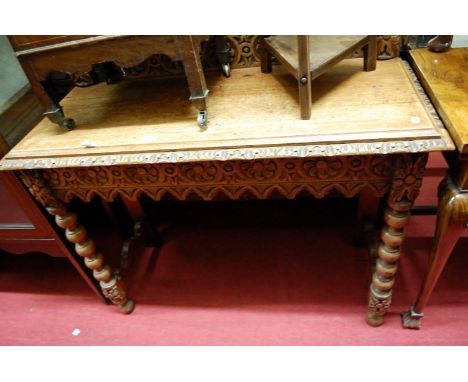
<point>451,217</point>
<point>370,54</point>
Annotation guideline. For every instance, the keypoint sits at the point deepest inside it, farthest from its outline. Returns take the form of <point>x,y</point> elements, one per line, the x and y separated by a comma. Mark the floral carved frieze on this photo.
<point>261,179</point>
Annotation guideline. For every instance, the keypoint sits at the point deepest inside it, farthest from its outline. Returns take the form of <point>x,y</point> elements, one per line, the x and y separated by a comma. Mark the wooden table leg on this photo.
<point>406,183</point>
<point>112,286</point>
<point>451,218</point>
<point>138,215</point>
<point>366,218</point>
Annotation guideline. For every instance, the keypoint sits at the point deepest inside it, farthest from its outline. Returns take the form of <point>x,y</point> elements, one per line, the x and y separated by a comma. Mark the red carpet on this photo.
<point>248,273</point>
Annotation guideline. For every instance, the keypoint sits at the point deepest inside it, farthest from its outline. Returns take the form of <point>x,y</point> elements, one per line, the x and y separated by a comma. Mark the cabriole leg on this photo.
<point>451,218</point>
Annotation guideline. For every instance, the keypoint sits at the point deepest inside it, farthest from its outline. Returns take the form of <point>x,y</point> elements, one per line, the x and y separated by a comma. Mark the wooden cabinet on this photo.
<point>24,226</point>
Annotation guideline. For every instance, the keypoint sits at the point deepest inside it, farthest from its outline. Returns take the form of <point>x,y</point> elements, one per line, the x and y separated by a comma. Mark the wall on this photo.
<point>13,81</point>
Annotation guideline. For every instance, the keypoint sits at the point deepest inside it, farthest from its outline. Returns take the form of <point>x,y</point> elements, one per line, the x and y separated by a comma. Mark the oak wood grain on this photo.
<point>250,109</point>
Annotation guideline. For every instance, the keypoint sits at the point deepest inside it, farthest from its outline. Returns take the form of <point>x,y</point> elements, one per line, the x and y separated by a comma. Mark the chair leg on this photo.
<point>304,77</point>
<point>265,58</point>
<point>195,78</point>
<point>370,54</point>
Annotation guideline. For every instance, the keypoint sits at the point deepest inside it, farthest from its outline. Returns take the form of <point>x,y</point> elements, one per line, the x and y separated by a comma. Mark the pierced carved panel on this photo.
<point>244,52</point>
<point>388,46</point>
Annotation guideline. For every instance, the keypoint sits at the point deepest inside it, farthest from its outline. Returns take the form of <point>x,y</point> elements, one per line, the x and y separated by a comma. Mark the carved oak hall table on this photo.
<point>370,132</point>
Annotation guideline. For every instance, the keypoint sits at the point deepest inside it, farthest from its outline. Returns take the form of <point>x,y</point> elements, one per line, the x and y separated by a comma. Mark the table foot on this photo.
<point>410,319</point>
<point>128,307</point>
<point>379,302</point>
<point>374,319</point>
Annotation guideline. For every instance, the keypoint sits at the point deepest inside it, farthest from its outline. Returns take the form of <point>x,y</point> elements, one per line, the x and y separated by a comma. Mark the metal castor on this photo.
<point>57,116</point>
<point>202,119</point>
<point>226,69</point>
<point>68,123</point>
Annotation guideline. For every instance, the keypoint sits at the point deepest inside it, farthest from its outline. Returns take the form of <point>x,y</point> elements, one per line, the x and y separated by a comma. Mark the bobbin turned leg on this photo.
<point>389,250</point>
<point>406,183</point>
<point>111,285</point>
<point>451,218</point>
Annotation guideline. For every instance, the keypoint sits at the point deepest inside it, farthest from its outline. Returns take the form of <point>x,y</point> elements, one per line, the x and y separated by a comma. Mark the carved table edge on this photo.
<point>329,150</point>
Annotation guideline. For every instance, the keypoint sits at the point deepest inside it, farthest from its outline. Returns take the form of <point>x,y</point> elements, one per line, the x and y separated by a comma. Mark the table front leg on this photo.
<point>406,183</point>
<point>451,218</point>
<point>389,251</point>
<point>112,285</point>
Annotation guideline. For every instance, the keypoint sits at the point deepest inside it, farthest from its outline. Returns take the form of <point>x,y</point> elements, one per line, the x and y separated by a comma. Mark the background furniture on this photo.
<point>23,226</point>
<point>377,143</point>
<point>445,79</point>
<point>440,43</point>
<point>88,59</point>
<point>307,57</point>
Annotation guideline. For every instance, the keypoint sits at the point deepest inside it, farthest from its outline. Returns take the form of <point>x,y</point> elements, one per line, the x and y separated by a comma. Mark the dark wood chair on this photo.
<point>40,56</point>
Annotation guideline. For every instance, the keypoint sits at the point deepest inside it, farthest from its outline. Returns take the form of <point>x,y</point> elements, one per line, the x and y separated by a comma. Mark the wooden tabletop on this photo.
<point>251,115</point>
<point>445,78</point>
